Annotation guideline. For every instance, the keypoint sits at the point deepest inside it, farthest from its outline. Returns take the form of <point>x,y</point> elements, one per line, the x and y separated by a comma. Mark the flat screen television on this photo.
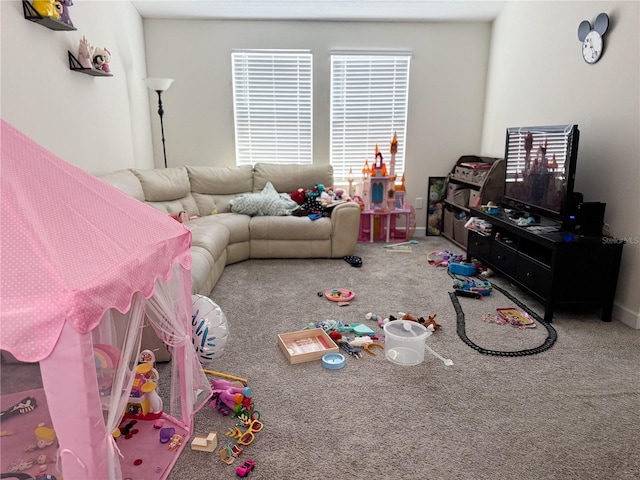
<point>540,169</point>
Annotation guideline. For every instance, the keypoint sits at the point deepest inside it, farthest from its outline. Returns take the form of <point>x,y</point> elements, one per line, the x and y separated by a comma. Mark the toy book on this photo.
<point>516,317</point>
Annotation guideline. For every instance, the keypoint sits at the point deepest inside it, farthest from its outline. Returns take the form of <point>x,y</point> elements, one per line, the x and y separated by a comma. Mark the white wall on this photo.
<point>96,123</point>
<point>528,66</point>
<point>447,85</point>
<point>537,76</point>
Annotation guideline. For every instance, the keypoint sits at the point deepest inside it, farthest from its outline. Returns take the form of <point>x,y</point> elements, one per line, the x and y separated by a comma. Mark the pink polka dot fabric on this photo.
<point>71,247</point>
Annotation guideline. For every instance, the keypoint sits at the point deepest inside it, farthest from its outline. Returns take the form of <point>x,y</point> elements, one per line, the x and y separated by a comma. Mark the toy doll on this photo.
<point>101,59</point>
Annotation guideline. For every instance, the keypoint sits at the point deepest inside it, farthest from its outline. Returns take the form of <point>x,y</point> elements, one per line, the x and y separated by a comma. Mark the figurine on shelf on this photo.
<point>101,59</point>
<point>84,53</point>
<point>48,8</point>
<point>64,15</point>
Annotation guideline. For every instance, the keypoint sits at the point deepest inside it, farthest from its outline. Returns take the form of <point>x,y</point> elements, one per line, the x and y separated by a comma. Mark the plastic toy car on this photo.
<point>246,468</point>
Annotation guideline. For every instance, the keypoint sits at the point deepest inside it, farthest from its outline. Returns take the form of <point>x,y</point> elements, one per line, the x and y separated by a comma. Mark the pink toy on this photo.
<point>246,468</point>
<point>84,53</point>
<point>225,395</point>
<point>377,318</point>
<point>182,217</point>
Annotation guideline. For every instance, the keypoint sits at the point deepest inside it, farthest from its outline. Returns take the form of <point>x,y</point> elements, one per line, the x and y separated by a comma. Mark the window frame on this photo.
<point>286,137</point>
<point>351,154</point>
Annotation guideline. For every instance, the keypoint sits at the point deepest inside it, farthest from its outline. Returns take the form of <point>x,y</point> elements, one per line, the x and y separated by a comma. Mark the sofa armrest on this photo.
<point>345,224</point>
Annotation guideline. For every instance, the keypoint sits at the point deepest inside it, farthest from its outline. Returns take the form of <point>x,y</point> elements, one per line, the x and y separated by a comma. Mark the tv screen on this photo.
<point>540,168</point>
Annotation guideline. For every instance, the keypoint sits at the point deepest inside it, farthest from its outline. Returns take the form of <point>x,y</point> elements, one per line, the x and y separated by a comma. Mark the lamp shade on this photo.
<point>158,84</point>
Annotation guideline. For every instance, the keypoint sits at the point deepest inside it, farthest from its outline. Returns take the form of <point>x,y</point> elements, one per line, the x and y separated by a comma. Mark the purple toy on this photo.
<point>166,434</point>
<point>224,392</point>
<point>64,16</point>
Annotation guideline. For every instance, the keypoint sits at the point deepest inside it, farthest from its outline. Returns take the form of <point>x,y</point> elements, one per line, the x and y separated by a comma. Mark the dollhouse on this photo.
<point>382,201</point>
<point>378,183</point>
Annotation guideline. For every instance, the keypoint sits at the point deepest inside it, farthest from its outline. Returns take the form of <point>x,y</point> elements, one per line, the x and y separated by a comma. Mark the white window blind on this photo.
<point>369,98</point>
<point>272,99</point>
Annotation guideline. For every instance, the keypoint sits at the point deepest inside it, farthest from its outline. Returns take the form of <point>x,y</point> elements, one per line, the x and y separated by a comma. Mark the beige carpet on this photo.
<point>568,413</point>
<point>571,412</point>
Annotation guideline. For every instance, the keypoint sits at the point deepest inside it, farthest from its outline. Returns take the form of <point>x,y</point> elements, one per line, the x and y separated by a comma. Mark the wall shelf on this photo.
<point>32,15</point>
<point>76,66</point>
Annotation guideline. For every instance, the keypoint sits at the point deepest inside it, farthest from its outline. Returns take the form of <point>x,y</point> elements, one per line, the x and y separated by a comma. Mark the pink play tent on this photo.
<point>83,264</point>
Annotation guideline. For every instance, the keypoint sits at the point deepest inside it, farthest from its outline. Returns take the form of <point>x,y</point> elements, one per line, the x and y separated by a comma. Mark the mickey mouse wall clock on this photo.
<point>591,38</point>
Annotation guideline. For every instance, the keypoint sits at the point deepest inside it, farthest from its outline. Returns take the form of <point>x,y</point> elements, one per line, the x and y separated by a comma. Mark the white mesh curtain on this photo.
<point>115,404</point>
<point>169,312</point>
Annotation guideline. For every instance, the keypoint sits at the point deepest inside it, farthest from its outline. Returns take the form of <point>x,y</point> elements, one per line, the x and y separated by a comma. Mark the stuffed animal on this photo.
<point>101,58</point>
<point>182,217</point>
<point>64,15</point>
<point>298,196</point>
<point>338,194</point>
<point>430,323</point>
<point>48,8</point>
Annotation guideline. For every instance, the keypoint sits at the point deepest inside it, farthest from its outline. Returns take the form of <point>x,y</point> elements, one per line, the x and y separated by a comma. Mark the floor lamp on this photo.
<point>160,85</point>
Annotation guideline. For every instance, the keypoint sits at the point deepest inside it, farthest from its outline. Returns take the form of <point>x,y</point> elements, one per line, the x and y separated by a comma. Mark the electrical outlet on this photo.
<point>419,203</point>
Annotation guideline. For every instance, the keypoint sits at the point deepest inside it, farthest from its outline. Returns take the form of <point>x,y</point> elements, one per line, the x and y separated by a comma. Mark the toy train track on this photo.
<point>552,335</point>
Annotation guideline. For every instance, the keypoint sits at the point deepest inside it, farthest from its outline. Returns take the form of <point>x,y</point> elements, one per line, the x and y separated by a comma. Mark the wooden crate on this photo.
<point>306,345</point>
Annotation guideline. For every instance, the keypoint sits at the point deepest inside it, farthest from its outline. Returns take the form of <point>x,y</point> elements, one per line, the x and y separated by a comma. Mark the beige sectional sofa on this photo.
<point>221,237</point>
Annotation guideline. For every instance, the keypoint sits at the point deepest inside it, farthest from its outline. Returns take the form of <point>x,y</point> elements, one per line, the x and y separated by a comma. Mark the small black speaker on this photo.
<point>590,218</point>
<point>570,214</point>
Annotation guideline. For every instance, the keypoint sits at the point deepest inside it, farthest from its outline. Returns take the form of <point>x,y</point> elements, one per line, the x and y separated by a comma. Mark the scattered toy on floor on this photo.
<point>176,441</point>
<point>430,322</point>
<point>443,258</point>
<point>228,395</point>
<point>26,405</point>
<point>246,468</point>
<point>353,260</point>
<point>465,293</point>
<point>353,351</point>
<point>377,318</point>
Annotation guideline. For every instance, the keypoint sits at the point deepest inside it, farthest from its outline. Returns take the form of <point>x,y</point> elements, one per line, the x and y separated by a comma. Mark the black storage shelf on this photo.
<point>558,267</point>
<point>485,188</point>
<point>76,66</point>
<point>51,23</point>
<point>456,206</point>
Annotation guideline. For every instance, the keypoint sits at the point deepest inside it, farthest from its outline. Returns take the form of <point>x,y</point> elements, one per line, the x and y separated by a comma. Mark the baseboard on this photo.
<point>626,316</point>
<point>420,232</point>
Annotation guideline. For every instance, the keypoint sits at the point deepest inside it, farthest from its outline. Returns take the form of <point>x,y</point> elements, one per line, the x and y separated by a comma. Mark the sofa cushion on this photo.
<point>209,235</point>
<point>290,228</point>
<point>167,189</point>
<point>213,187</point>
<point>238,225</point>
<point>126,181</point>
<point>163,184</point>
<point>267,202</point>
<point>287,178</point>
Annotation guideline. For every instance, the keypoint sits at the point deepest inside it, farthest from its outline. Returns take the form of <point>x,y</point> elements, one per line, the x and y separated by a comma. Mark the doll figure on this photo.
<point>101,59</point>
<point>64,16</point>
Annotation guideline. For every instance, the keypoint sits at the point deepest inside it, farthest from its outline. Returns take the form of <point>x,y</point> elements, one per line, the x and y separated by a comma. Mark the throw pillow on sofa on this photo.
<point>267,202</point>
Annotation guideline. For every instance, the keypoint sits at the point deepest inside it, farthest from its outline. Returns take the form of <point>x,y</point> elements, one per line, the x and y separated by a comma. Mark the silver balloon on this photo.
<point>209,330</point>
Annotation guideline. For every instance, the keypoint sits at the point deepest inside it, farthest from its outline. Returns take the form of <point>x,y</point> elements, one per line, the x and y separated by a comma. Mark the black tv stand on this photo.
<point>556,266</point>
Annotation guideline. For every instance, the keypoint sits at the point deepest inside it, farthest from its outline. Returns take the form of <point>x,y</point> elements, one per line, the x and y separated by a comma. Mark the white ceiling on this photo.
<point>338,10</point>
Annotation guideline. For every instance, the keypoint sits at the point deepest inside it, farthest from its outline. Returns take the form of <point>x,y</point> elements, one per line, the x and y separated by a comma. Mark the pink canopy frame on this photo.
<point>72,251</point>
